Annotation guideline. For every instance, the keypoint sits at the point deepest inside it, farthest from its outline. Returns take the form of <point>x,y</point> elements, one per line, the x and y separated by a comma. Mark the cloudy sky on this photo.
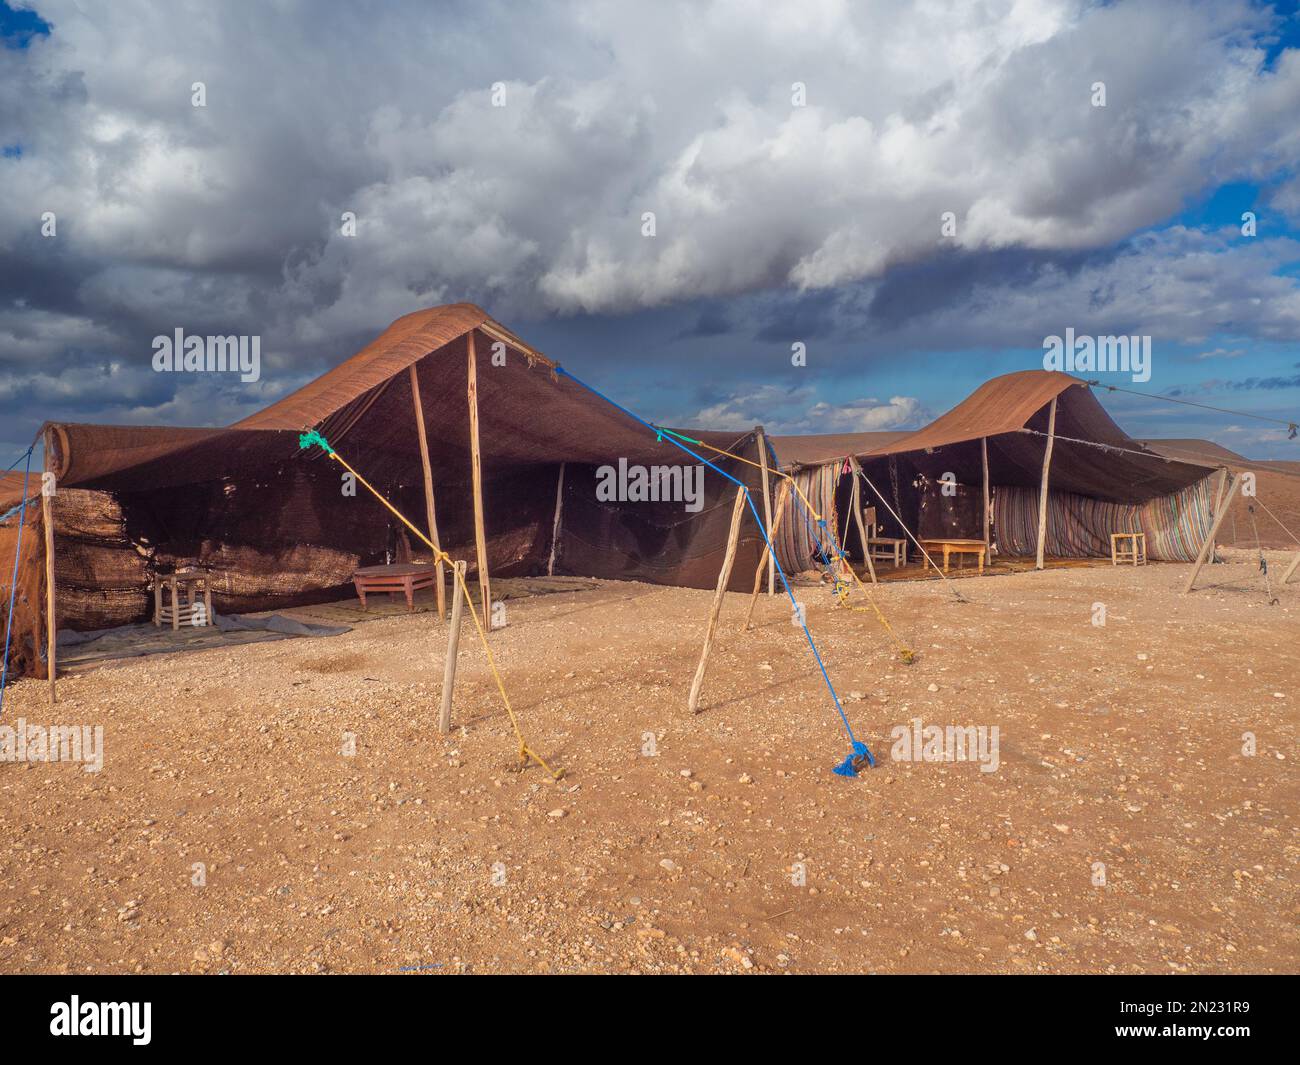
<point>1097,165</point>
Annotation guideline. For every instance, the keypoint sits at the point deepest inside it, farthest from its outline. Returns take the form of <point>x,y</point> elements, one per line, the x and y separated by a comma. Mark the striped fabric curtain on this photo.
<point>1079,527</point>
<point>798,537</point>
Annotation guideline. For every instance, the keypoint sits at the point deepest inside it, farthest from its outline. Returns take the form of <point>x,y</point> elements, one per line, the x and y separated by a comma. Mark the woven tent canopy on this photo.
<point>528,415</point>
<point>1011,413</point>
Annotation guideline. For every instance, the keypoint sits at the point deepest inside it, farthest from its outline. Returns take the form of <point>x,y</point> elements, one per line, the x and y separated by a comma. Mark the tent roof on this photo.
<point>531,415</point>
<point>364,406</point>
<point>815,449</point>
<point>1093,455</point>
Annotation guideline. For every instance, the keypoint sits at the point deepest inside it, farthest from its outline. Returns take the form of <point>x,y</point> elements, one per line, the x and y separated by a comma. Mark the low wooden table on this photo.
<point>956,547</point>
<point>886,548</point>
<point>398,577</point>
<point>1128,547</point>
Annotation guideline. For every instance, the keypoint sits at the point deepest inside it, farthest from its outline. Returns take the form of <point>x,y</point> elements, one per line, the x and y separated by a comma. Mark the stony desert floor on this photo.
<point>1125,828</point>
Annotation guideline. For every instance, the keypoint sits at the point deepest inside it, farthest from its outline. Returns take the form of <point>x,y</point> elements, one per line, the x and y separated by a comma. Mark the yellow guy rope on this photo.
<point>525,752</point>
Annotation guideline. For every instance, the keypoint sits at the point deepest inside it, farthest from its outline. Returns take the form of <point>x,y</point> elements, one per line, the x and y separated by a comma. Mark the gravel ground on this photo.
<point>1124,829</point>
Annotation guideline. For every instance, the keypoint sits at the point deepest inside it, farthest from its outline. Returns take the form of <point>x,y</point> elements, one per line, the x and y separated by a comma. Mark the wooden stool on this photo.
<point>183,603</point>
<point>1128,547</point>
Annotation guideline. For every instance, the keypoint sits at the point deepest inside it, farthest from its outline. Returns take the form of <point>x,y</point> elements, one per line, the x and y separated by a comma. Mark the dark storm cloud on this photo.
<point>773,222</point>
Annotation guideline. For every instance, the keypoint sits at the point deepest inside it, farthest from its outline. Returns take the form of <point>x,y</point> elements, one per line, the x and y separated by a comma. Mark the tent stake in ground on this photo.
<point>1208,545</point>
<point>718,596</point>
<point>476,468</point>
<point>1042,492</point>
<point>453,645</point>
<point>429,509</point>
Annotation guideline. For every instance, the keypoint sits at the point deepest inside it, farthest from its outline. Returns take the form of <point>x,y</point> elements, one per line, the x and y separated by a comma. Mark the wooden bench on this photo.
<point>955,546</point>
<point>1128,547</point>
<point>397,577</point>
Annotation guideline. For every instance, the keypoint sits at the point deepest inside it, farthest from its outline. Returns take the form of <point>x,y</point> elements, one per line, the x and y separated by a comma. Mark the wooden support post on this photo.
<point>718,596</point>
<point>1218,502</point>
<point>430,511</point>
<point>1208,545</point>
<point>782,498</point>
<point>555,525</point>
<point>1042,491</point>
<point>767,499</point>
<point>984,457</point>
<point>453,644</point>
<point>1295,564</point>
<point>47,519</point>
<point>857,515</point>
<point>476,468</point>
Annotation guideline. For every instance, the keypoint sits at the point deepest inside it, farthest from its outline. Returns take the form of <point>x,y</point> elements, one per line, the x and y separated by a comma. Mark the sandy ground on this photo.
<point>1123,830</point>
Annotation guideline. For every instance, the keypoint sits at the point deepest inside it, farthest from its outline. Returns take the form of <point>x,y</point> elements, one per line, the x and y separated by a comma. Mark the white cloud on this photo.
<point>797,410</point>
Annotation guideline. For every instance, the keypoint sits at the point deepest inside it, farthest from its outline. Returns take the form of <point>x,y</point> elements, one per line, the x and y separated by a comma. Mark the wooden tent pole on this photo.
<point>47,519</point>
<point>453,644</point>
<point>767,500</point>
<point>476,468</point>
<point>430,512</point>
<point>857,515</point>
<point>1295,564</point>
<point>1042,491</point>
<point>1208,545</point>
<point>782,498</point>
<point>555,525</point>
<point>723,577</point>
<point>1218,497</point>
<point>984,456</point>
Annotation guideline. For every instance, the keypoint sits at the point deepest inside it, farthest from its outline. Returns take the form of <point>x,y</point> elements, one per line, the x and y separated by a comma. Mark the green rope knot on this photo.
<point>311,436</point>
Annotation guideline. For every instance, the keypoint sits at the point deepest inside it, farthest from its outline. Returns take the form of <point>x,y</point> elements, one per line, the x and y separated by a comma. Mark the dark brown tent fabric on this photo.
<point>528,415</point>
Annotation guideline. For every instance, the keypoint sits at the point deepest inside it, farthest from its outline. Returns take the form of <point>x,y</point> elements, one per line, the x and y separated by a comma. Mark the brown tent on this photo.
<point>1100,479</point>
<point>274,527</point>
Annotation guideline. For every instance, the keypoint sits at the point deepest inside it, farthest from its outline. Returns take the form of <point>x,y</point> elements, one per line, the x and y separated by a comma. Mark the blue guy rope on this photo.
<point>860,750</point>
<point>13,583</point>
